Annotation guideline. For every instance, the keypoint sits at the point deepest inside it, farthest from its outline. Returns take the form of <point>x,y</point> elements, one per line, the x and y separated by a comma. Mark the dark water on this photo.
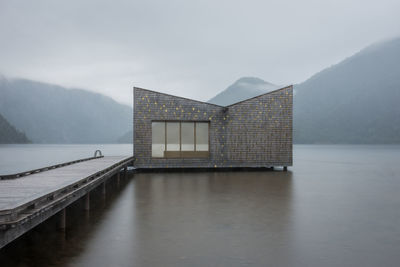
<point>337,206</point>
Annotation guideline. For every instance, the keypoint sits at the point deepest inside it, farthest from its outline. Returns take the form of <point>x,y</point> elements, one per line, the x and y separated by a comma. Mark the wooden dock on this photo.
<point>30,199</point>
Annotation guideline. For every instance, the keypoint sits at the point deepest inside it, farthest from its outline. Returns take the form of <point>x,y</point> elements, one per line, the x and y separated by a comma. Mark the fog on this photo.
<point>188,48</point>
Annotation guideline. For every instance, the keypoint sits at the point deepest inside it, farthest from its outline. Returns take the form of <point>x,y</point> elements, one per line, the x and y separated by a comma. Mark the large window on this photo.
<point>187,139</point>
<point>158,139</point>
<point>180,139</point>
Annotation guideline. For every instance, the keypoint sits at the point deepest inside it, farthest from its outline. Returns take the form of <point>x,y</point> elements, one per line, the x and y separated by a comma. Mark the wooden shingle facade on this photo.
<point>176,132</point>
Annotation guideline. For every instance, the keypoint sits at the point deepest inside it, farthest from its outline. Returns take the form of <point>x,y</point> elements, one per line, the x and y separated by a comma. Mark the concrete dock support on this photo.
<point>62,223</point>
<point>87,201</point>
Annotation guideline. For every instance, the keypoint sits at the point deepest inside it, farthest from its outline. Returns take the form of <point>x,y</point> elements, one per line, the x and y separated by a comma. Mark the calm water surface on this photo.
<point>337,206</point>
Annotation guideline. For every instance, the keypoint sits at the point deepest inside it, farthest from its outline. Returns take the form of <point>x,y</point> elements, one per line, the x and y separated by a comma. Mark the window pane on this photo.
<point>158,139</point>
<point>201,136</point>
<point>187,132</point>
<point>173,136</point>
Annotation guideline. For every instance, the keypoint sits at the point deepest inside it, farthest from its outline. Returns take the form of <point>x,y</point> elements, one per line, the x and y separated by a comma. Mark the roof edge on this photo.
<point>274,91</point>
<point>185,98</point>
<point>202,102</point>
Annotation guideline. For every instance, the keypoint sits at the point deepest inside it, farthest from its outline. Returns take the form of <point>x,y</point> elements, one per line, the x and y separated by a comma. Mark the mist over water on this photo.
<point>68,70</point>
<point>337,206</point>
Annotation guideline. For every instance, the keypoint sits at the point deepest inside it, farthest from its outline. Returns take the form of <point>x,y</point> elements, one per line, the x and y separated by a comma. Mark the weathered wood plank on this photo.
<point>27,188</point>
<point>29,200</point>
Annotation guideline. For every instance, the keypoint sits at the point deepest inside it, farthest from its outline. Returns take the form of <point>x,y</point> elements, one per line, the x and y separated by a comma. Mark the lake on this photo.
<point>339,205</point>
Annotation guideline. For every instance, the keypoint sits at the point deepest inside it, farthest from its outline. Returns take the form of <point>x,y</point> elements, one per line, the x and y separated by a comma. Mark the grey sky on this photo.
<point>188,48</point>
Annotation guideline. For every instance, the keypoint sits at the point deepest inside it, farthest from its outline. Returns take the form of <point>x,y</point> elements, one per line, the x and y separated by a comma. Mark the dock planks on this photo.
<point>29,200</point>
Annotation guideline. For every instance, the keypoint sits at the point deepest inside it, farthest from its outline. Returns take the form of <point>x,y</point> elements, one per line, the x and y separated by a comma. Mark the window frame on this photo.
<point>186,154</point>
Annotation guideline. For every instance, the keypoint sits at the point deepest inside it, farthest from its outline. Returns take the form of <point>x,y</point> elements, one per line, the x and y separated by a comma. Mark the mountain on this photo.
<point>355,101</point>
<point>52,114</point>
<point>127,138</point>
<point>10,135</point>
<point>242,89</point>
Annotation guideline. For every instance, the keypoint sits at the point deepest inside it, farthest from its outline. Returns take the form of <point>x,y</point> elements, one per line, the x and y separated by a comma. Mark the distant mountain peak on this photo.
<point>252,80</point>
<point>242,89</point>
<point>354,101</point>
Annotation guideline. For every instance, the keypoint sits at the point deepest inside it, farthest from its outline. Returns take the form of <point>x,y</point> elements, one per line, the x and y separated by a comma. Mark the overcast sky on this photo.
<point>188,48</point>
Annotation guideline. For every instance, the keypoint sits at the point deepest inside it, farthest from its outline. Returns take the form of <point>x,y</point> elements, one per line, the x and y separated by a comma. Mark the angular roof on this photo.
<point>257,96</point>
<point>185,98</point>
<point>274,91</point>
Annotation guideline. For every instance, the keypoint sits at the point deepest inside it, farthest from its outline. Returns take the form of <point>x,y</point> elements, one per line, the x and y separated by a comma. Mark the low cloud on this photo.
<point>192,49</point>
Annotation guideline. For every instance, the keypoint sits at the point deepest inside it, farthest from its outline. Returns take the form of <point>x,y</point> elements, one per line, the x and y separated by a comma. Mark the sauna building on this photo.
<point>176,132</point>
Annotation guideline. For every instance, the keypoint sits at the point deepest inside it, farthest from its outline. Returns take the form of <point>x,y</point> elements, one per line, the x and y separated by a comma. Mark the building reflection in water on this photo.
<point>224,218</point>
<point>171,219</point>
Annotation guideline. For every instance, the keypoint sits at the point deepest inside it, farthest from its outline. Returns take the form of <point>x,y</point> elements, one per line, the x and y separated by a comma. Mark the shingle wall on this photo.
<point>259,130</point>
<point>253,133</point>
